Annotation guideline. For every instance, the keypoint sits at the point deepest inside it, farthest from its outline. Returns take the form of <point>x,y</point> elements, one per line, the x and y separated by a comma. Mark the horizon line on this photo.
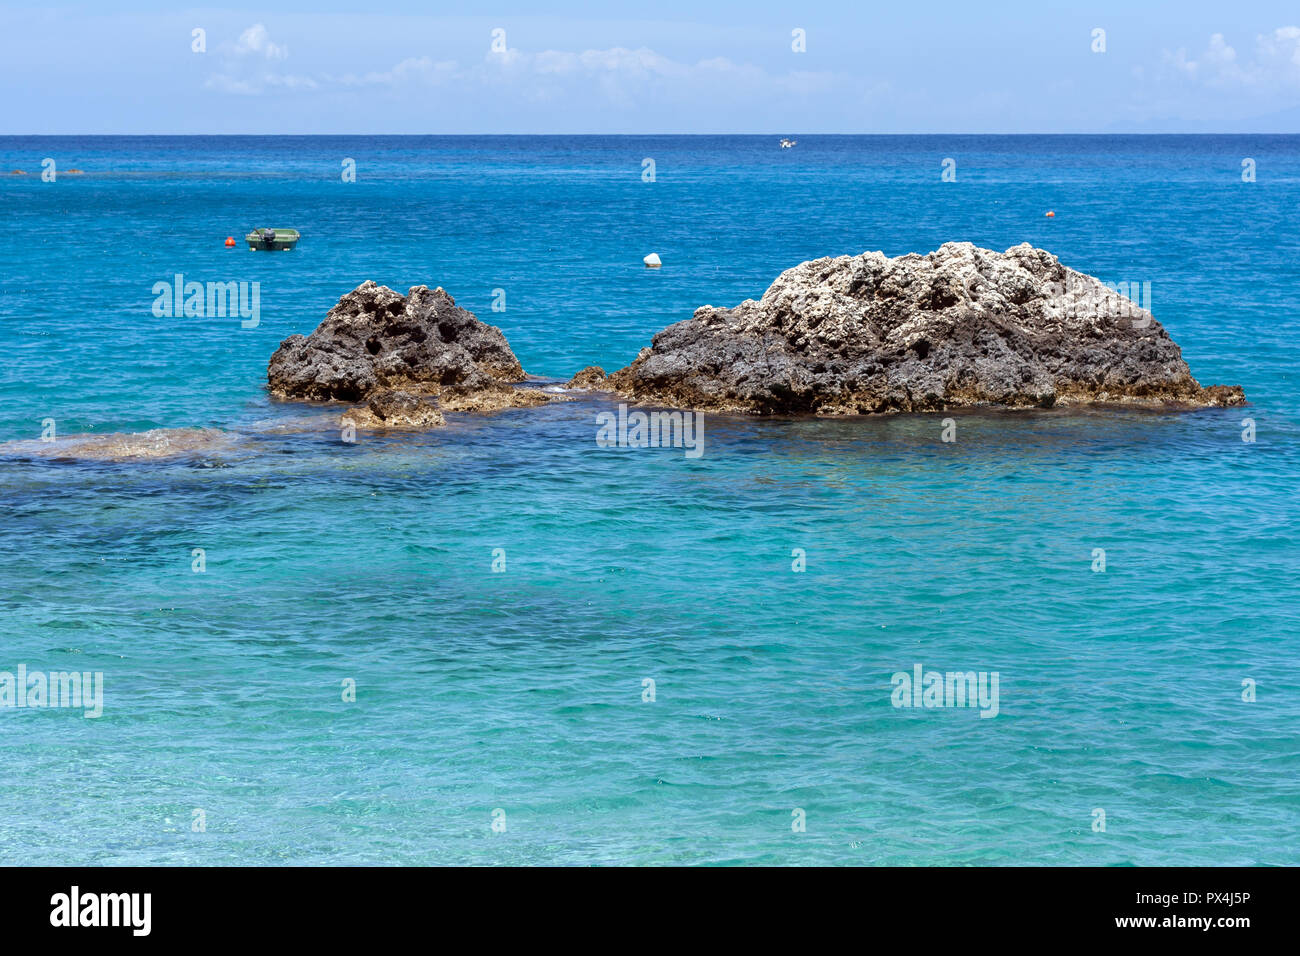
<point>627,135</point>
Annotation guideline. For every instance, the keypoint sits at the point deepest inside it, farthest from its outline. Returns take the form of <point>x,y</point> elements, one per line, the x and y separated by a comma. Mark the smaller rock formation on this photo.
<point>418,346</point>
<point>488,400</point>
<point>390,408</point>
<point>592,378</point>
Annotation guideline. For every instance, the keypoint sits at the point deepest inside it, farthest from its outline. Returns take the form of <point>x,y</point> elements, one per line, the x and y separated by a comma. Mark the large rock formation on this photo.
<point>958,327</point>
<point>377,340</point>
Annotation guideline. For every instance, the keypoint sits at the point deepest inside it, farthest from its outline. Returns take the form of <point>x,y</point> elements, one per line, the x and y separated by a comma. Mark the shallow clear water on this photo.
<point>522,690</point>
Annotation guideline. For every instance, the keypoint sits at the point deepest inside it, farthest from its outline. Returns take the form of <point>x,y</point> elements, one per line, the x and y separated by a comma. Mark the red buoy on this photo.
<point>230,240</point>
<point>1050,214</point>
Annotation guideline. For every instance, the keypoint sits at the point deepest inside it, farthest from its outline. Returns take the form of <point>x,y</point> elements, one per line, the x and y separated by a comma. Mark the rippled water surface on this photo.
<point>522,690</point>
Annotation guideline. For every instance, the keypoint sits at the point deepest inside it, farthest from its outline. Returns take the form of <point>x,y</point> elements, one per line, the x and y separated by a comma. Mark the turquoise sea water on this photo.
<point>522,690</point>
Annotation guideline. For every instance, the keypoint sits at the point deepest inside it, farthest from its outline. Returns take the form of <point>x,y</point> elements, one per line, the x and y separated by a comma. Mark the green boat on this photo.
<point>272,239</point>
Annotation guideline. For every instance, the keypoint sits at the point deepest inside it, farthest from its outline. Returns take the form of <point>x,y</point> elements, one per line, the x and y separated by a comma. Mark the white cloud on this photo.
<point>1273,64</point>
<point>253,84</point>
<point>617,75</point>
<point>412,70</point>
<point>256,41</point>
<point>624,76</point>
<point>239,74</point>
<point>1282,48</point>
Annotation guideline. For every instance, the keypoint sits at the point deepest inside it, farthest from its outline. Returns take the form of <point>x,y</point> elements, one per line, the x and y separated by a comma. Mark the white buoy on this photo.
<point>652,261</point>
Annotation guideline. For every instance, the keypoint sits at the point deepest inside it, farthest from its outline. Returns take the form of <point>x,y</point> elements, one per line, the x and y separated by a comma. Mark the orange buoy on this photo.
<point>230,240</point>
<point>1050,214</point>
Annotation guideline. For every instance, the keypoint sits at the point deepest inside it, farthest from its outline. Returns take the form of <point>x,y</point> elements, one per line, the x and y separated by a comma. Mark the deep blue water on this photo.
<point>522,690</point>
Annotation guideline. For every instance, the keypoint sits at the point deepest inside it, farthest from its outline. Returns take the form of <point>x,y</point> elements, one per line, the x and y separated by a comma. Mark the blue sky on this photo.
<point>649,67</point>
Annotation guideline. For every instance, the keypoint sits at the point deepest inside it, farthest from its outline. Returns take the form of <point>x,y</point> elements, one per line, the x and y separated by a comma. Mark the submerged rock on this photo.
<point>376,338</point>
<point>129,446</point>
<point>494,399</point>
<point>390,408</point>
<point>961,326</point>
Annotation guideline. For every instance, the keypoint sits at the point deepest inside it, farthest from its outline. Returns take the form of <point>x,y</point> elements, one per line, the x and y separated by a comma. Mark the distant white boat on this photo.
<point>787,143</point>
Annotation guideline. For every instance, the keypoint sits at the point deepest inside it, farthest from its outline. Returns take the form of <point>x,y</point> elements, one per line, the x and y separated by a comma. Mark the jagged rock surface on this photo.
<point>376,338</point>
<point>961,326</point>
<point>390,408</point>
<point>592,377</point>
